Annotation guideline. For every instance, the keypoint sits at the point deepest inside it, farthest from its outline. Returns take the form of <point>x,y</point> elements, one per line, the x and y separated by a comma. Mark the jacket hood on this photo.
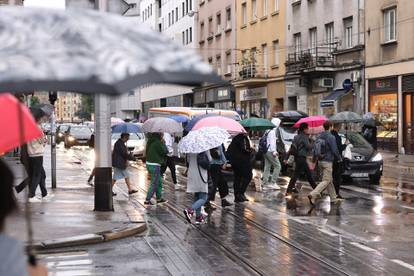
<point>276,122</point>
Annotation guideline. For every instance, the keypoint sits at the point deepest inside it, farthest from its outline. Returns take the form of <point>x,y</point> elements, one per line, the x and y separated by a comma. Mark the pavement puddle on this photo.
<point>404,264</point>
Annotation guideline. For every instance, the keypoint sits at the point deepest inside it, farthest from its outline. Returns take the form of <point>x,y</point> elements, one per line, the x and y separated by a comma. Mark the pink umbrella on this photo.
<point>228,124</point>
<point>312,121</point>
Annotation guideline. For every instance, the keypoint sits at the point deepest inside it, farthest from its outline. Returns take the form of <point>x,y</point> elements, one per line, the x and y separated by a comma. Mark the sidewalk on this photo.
<point>397,164</point>
<point>68,218</point>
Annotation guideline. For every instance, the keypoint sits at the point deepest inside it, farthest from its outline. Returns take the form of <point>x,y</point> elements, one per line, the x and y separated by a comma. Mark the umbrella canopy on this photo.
<point>126,128</point>
<point>312,121</point>
<point>228,124</point>
<point>195,120</point>
<point>91,51</point>
<point>203,139</point>
<point>116,121</point>
<point>257,124</point>
<point>17,124</point>
<point>180,118</point>
<point>46,109</point>
<point>161,125</point>
<point>346,117</point>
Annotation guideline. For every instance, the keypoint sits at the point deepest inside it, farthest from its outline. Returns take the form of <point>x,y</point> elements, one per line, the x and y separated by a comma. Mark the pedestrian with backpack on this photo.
<point>299,149</point>
<point>268,147</point>
<point>325,151</point>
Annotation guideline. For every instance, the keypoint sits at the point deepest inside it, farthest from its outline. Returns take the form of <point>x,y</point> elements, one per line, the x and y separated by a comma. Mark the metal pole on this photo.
<point>103,162</point>
<point>53,148</point>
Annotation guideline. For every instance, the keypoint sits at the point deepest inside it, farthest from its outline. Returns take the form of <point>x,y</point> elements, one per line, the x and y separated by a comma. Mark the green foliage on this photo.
<point>87,107</point>
<point>34,100</point>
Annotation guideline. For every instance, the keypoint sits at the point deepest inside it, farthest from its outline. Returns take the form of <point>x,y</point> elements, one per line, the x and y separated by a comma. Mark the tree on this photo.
<point>34,100</point>
<point>87,107</point>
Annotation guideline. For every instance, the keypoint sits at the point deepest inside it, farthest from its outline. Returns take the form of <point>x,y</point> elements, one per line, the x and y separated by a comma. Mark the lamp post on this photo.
<point>52,100</point>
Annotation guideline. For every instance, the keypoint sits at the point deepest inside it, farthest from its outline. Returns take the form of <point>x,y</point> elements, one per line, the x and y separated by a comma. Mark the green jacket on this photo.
<point>156,151</point>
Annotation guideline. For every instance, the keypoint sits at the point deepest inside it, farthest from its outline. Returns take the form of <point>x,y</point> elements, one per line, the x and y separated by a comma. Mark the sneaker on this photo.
<point>90,183</point>
<point>47,198</point>
<point>337,200</point>
<point>209,207</point>
<point>203,211</point>
<point>188,214</point>
<point>34,199</point>
<point>113,194</point>
<point>201,220</point>
<point>161,201</point>
<point>132,192</point>
<point>179,187</point>
<point>244,198</point>
<point>148,202</point>
<point>274,186</point>
<point>225,203</point>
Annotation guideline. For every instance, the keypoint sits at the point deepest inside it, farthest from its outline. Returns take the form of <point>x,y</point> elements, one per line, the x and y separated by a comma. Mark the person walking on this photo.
<point>324,152</point>
<point>198,184</point>
<point>369,131</point>
<point>35,150</point>
<point>300,148</point>
<point>24,159</point>
<point>156,154</point>
<point>170,162</point>
<point>120,157</point>
<point>337,168</point>
<point>271,158</point>
<point>218,163</point>
<point>239,154</point>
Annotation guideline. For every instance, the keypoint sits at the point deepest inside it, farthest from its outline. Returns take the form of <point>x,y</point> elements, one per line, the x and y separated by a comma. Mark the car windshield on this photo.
<point>357,140</point>
<point>80,130</point>
<point>132,136</point>
<point>63,128</point>
<point>287,133</point>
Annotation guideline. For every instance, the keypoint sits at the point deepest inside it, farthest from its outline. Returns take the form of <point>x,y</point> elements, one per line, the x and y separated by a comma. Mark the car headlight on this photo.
<point>71,138</point>
<point>140,148</point>
<point>377,157</point>
<point>60,135</point>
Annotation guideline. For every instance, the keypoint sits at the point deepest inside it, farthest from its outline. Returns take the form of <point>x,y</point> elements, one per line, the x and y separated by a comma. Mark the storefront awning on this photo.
<point>329,100</point>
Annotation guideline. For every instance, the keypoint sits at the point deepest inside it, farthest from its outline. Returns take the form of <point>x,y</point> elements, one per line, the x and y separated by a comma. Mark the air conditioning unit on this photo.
<point>355,76</point>
<point>326,82</point>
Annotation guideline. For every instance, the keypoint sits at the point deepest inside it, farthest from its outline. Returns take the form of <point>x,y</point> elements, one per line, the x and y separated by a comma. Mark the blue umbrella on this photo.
<point>195,120</point>
<point>180,118</point>
<point>126,128</point>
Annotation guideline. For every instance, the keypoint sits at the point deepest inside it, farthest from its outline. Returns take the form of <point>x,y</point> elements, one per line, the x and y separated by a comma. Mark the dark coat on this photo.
<point>239,154</point>
<point>341,147</point>
<point>120,155</point>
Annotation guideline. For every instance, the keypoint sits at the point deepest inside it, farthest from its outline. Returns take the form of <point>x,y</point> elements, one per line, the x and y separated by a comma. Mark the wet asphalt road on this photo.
<point>370,233</point>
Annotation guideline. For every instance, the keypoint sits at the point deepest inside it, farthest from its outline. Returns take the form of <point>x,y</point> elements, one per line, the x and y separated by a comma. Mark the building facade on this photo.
<point>325,56</point>
<point>177,20</point>
<point>260,68</point>
<point>216,28</point>
<point>67,106</point>
<point>390,71</point>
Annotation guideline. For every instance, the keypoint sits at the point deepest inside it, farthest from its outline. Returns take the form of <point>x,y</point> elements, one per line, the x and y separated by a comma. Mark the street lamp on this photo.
<point>192,13</point>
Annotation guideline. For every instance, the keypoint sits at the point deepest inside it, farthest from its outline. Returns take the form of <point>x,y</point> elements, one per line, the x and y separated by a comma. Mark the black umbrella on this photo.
<point>42,110</point>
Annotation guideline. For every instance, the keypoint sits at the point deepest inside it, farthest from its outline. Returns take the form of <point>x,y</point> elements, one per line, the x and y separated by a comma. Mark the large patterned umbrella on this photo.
<point>89,51</point>
<point>161,125</point>
<point>346,117</point>
<point>203,139</point>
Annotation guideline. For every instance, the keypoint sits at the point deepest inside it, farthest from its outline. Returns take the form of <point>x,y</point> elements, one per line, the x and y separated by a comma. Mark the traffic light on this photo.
<point>52,97</point>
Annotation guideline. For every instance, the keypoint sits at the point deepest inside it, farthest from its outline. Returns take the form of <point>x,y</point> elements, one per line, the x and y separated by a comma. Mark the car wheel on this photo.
<point>375,179</point>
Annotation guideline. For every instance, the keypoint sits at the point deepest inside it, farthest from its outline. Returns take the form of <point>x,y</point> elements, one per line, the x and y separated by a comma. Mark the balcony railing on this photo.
<point>250,70</point>
<point>318,58</point>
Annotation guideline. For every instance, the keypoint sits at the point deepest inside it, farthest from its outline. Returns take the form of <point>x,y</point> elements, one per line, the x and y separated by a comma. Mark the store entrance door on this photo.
<point>409,123</point>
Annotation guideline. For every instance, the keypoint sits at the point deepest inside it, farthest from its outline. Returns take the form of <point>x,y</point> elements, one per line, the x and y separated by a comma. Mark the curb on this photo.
<point>100,237</point>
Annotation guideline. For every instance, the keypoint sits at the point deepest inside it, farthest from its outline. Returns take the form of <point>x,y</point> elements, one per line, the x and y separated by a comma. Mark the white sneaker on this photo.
<point>179,187</point>
<point>34,199</point>
<point>203,211</point>
<point>273,186</point>
<point>48,197</point>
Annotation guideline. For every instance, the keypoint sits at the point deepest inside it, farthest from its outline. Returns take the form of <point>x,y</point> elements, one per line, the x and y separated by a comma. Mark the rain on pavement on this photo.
<point>370,233</point>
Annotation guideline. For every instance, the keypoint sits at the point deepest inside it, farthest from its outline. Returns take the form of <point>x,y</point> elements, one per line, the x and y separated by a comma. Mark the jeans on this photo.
<point>38,176</point>
<point>271,161</point>
<point>171,165</point>
<point>199,200</point>
<point>301,166</point>
<point>218,181</point>
<point>326,183</point>
<point>241,181</point>
<point>156,182</point>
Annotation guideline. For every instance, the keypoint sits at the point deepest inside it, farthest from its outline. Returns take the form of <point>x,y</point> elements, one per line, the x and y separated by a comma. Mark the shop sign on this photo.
<point>381,85</point>
<point>347,84</point>
<point>325,104</point>
<point>253,93</point>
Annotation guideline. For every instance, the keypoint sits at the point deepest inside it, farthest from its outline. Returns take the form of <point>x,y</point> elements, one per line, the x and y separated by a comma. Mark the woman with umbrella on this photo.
<point>239,154</point>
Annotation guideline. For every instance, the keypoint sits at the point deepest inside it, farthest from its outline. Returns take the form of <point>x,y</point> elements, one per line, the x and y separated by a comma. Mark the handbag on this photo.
<point>203,161</point>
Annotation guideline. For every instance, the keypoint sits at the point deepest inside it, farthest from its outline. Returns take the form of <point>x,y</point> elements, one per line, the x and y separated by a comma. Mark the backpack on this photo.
<point>319,149</point>
<point>280,146</point>
<point>263,147</point>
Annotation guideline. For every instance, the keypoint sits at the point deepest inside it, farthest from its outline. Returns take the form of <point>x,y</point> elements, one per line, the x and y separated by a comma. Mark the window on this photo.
<point>264,57</point>
<point>264,6</point>
<point>190,5</point>
<point>253,55</point>
<point>313,40</point>
<point>218,23</point>
<point>218,62</point>
<point>254,9</point>
<point>276,5</point>
<point>348,33</point>
<point>186,37</point>
<point>169,19</point>
<point>244,56</point>
<point>244,14</point>
<point>202,31</point>
<point>151,10</point>
<point>183,36</point>
<point>186,6</point>
<point>390,25</point>
<point>298,42</point>
<point>176,14</point>
<point>172,17</point>
<point>190,33</point>
<point>276,52</point>
<point>228,18</point>
<point>210,26</point>
<point>329,36</point>
<point>183,10</point>
<point>228,63</point>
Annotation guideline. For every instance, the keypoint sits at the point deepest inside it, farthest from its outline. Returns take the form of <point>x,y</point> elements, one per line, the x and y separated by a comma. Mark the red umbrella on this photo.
<point>17,125</point>
<point>312,121</point>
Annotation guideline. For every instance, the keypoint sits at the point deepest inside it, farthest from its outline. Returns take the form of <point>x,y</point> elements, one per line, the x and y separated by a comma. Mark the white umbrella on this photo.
<point>161,125</point>
<point>203,139</point>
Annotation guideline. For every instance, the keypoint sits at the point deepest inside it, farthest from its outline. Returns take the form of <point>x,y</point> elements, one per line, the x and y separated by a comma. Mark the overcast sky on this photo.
<point>57,4</point>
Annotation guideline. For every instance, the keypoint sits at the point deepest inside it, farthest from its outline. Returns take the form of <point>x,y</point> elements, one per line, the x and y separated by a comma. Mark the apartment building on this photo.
<point>67,106</point>
<point>325,56</point>
<point>175,19</point>
<point>216,27</point>
<point>260,70</point>
<point>390,71</point>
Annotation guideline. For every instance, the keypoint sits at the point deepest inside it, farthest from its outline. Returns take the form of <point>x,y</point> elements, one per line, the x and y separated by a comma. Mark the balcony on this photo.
<point>311,60</point>
<point>250,71</point>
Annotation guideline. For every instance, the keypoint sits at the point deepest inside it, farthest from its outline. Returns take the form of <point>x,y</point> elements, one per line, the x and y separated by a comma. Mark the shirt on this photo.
<point>169,143</point>
<point>13,260</point>
<point>271,140</point>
